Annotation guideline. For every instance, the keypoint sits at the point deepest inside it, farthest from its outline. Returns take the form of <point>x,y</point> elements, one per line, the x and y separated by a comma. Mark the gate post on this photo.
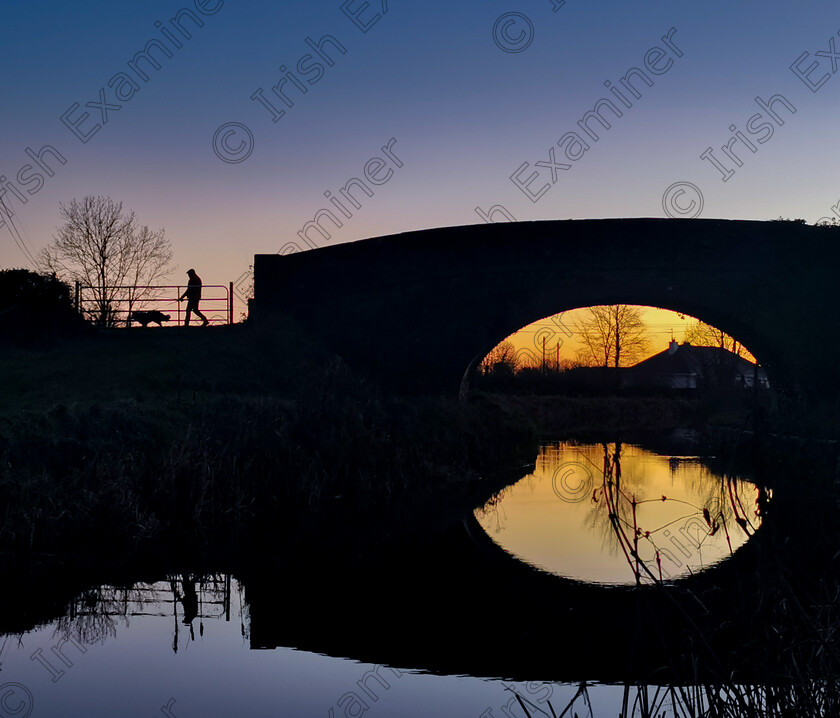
<point>230,304</point>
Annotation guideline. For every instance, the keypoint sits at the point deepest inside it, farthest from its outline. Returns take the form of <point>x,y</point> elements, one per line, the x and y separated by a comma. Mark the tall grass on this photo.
<point>128,472</point>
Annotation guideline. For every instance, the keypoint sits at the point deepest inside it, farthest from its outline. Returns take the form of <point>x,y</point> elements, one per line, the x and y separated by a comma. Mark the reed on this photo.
<point>127,472</point>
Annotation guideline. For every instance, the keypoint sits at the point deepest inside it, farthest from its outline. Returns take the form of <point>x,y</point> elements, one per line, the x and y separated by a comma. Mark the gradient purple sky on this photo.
<point>465,115</point>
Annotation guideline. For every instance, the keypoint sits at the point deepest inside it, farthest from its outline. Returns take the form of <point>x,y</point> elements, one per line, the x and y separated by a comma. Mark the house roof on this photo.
<point>689,359</point>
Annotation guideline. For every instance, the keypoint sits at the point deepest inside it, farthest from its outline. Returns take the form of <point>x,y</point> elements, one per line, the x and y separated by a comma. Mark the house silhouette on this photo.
<point>687,367</point>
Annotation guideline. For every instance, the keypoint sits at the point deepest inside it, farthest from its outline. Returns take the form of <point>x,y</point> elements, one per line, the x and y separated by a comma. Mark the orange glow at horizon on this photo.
<point>561,334</point>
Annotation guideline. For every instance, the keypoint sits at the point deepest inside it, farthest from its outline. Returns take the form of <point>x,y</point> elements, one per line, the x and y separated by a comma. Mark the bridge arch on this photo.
<point>565,331</point>
<point>415,309</point>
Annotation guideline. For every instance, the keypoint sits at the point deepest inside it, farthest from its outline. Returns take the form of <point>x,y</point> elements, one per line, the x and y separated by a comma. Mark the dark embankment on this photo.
<point>556,416</point>
<point>163,438</point>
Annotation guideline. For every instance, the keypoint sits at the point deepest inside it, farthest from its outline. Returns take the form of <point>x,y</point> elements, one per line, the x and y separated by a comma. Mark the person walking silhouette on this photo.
<point>193,297</point>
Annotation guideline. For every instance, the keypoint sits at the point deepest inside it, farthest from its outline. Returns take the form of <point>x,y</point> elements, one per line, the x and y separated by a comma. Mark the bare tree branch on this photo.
<point>502,358</point>
<point>613,335</point>
<point>101,246</point>
<point>705,335</point>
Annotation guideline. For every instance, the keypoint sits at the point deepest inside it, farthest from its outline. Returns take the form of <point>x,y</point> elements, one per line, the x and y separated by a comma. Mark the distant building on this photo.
<point>687,367</point>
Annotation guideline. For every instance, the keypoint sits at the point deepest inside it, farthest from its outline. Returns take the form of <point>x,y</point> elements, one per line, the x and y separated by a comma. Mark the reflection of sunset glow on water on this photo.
<point>607,512</point>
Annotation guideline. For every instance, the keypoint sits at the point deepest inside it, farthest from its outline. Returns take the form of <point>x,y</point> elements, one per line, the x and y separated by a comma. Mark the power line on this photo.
<point>6,215</point>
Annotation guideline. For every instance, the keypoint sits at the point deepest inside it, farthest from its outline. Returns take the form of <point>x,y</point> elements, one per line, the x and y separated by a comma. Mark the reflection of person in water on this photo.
<point>190,602</point>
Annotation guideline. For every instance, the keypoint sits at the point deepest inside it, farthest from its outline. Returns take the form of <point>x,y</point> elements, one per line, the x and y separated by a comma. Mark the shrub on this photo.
<point>35,306</point>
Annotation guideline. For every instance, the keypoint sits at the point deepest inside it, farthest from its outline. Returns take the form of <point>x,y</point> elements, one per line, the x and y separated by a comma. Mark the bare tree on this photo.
<point>832,222</point>
<point>103,247</point>
<point>719,370</point>
<point>613,335</point>
<point>501,358</point>
<point>705,335</point>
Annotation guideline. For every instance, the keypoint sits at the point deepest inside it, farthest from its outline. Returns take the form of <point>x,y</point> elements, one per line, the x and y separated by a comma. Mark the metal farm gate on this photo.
<point>113,306</point>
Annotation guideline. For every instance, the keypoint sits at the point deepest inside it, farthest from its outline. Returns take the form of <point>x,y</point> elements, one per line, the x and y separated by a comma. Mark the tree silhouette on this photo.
<point>719,370</point>
<point>33,306</point>
<point>501,360</point>
<point>104,247</point>
<point>612,335</point>
<point>705,335</point>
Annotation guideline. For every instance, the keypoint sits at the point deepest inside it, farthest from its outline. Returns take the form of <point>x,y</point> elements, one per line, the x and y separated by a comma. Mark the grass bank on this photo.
<point>157,438</point>
<point>553,416</point>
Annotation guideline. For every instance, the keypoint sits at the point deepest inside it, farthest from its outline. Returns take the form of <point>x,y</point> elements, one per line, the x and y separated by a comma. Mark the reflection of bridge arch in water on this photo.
<point>416,309</point>
<point>616,513</point>
<point>657,696</point>
<point>459,604</point>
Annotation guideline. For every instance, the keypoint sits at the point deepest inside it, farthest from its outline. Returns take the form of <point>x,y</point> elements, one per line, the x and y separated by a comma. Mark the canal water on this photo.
<point>616,513</point>
<point>138,651</point>
<point>230,644</point>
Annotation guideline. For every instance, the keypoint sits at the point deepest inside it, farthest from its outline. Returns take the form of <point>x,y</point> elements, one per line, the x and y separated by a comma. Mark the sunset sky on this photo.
<point>462,94</point>
<point>661,325</point>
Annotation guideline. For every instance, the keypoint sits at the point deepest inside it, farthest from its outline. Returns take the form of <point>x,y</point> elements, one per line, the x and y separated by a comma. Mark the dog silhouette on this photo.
<point>149,317</point>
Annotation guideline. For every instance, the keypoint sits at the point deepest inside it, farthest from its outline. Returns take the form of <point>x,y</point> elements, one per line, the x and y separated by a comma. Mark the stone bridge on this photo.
<point>418,310</point>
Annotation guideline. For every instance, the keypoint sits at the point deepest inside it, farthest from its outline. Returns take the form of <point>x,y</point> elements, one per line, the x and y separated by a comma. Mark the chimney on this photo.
<point>672,348</point>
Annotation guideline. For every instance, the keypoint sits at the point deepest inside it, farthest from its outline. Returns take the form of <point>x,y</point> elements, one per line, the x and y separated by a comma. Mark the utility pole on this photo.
<point>230,304</point>
<point>543,355</point>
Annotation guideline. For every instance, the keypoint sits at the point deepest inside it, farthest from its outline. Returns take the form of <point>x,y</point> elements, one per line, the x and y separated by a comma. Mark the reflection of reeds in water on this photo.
<point>707,517</point>
<point>494,507</point>
<point>719,507</point>
<point>724,700</point>
<point>723,509</point>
